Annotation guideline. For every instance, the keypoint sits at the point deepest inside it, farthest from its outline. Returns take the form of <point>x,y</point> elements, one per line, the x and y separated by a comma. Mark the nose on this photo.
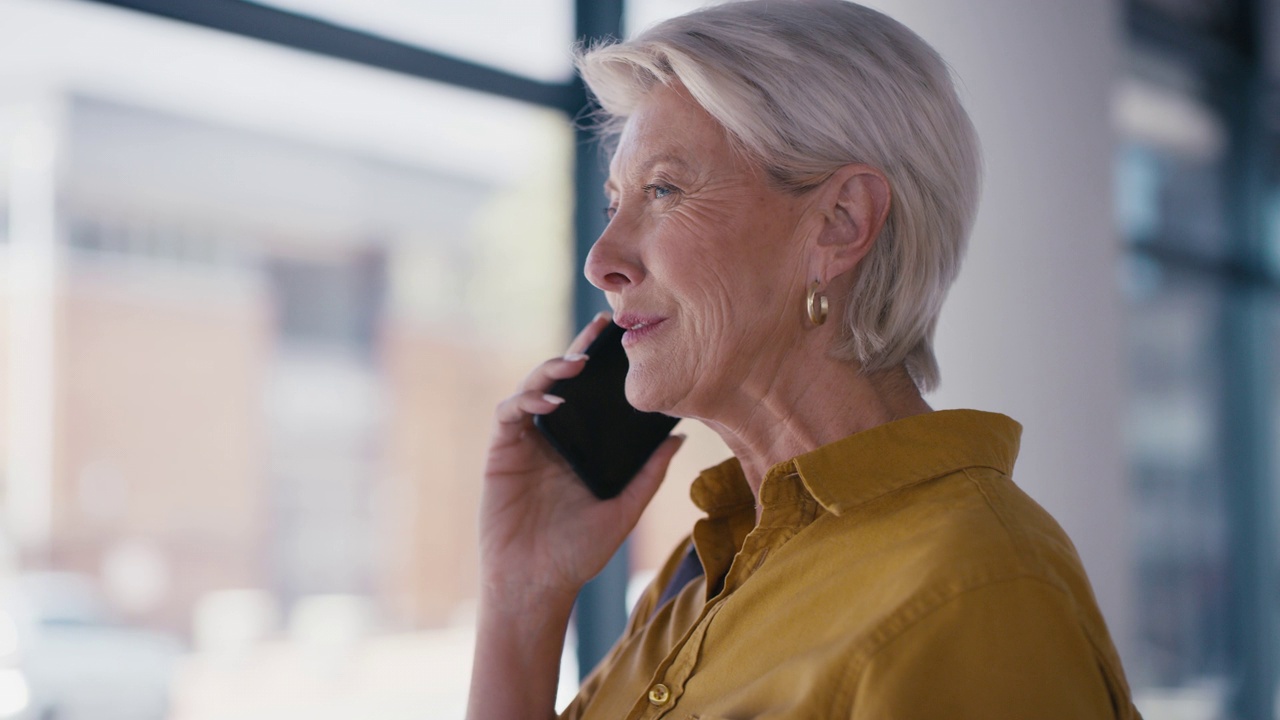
<point>611,264</point>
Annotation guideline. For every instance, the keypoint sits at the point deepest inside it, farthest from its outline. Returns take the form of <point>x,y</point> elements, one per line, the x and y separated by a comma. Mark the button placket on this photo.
<point>678,670</point>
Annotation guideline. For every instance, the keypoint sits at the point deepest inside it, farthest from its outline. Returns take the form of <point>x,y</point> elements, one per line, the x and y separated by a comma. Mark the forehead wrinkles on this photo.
<point>669,127</point>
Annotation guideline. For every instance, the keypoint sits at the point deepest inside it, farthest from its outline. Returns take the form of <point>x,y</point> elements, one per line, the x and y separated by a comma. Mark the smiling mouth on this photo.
<point>637,329</point>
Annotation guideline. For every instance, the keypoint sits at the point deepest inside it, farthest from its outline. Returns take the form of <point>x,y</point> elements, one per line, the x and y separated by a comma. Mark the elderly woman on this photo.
<point>790,197</point>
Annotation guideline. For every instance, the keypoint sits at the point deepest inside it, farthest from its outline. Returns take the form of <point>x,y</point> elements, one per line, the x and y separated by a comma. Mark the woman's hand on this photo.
<point>542,536</point>
<point>542,533</point>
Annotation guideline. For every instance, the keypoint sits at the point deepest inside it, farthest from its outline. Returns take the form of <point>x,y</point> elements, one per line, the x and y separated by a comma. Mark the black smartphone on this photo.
<point>604,439</point>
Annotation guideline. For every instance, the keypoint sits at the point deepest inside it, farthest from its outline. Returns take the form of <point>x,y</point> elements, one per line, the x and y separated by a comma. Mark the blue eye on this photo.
<point>659,191</point>
<point>609,212</point>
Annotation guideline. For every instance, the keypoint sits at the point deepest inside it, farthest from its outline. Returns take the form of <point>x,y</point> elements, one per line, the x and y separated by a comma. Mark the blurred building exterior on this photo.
<point>247,367</point>
<point>238,394</point>
<point>265,366</point>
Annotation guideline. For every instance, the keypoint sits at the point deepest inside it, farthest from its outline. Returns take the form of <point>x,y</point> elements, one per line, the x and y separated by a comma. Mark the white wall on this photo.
<point>1033,327</point>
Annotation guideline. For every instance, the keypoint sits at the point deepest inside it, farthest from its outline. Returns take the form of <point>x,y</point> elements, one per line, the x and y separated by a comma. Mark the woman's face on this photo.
<point>703,263</point>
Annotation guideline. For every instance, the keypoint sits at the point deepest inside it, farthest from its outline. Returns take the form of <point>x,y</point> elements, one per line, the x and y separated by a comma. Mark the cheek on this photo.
<point>702,263</point>
<point>733,239</point>
<point>731,264</point>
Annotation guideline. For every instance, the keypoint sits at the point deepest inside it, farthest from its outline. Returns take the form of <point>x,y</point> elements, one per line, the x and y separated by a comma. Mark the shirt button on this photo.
<point>659,694</point>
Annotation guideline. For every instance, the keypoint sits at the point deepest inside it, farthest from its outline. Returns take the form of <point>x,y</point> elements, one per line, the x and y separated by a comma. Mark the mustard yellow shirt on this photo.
<point>895,574</point>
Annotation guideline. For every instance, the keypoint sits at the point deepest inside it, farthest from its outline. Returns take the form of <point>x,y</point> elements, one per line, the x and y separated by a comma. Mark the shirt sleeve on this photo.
<point>1011,649</point>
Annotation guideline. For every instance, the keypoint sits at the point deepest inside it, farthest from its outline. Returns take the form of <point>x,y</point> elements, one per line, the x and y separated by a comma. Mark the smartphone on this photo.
<point>604,439</point>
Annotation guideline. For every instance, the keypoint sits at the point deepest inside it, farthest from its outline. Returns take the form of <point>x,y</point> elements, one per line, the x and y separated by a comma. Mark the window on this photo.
<point>1196,165</point>
<point>289,292</point>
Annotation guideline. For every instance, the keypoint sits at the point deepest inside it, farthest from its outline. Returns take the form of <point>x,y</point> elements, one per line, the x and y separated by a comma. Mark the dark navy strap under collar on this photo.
<point>690,569</point>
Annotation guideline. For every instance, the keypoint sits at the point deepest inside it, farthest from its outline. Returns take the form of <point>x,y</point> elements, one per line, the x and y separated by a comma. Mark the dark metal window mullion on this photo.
<point>601,613</point>
<point>1248,422</point>
<point>300,32</point>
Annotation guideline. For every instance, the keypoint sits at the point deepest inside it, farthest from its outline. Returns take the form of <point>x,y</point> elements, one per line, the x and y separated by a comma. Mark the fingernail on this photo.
<point>682,436</point>
<point>600,316</point>
<point>553,399</point>
<point>575,357</point>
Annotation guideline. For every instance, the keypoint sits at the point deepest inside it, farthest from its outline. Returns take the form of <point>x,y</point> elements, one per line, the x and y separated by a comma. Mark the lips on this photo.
<point>637,326</point>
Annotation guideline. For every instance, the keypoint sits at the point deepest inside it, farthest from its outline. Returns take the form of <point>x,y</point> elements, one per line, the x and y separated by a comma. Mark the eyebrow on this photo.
<point>668,158</point>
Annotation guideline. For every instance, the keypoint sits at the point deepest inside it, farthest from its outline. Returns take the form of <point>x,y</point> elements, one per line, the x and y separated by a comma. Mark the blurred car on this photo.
<point>61,658</point>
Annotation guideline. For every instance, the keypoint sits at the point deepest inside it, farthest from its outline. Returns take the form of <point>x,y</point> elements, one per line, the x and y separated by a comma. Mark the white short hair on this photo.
<point>804,87</point>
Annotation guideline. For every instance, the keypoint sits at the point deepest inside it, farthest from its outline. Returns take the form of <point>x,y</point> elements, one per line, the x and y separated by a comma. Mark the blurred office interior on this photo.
<point>265,269</point>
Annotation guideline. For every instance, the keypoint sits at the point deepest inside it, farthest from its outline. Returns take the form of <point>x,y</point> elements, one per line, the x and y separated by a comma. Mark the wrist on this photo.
<point>511,596</point>
<point>517,656</point>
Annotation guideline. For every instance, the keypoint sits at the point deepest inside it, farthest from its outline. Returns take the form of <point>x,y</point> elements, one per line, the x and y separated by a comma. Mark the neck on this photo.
<point>807,407</point>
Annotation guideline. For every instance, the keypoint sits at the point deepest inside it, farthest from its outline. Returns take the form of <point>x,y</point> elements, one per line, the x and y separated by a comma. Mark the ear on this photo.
<point>853,204</point>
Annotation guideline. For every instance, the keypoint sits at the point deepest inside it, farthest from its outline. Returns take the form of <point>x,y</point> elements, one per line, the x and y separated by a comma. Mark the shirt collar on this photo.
<point>722,490</point>
<point>871,463</point>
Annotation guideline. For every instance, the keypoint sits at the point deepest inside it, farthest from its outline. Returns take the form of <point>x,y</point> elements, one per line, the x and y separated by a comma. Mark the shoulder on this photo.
<point>960,529</point>
<point>976,579</point>
<point>1008,648</point>
<point>941,542</point>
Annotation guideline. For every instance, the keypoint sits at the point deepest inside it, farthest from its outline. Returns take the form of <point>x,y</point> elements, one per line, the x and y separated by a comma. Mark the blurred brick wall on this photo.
<point>443,394</point>
<point>159,431</point>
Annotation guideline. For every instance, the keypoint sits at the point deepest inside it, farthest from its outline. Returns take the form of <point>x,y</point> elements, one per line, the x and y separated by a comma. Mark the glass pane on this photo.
<point>1213,17</point>
<point>520,36</point>
<point>640,14</point>
<point>256,310</point>
<point>1179,665</point>
<point>1271,323</point>
<point>1271,218</point>
<point>1170,169</point>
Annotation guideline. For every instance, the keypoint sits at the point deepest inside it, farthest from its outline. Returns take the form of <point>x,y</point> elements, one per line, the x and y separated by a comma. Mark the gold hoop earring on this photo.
<point>817,305</point>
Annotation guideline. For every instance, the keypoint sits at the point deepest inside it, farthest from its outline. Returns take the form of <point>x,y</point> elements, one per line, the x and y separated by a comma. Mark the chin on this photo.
<point>644,393</point>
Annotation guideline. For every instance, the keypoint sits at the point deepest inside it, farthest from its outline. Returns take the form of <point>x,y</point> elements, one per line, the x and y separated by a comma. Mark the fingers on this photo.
<point>642,489</point>
<point>571,363</point>
<point>589,333</point>
<point>532,397</point>
<point>518,407</point>
<point>543,376</point>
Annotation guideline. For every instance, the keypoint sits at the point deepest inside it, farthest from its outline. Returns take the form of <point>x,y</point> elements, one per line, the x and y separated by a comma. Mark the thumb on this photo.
<point>646,483</point>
